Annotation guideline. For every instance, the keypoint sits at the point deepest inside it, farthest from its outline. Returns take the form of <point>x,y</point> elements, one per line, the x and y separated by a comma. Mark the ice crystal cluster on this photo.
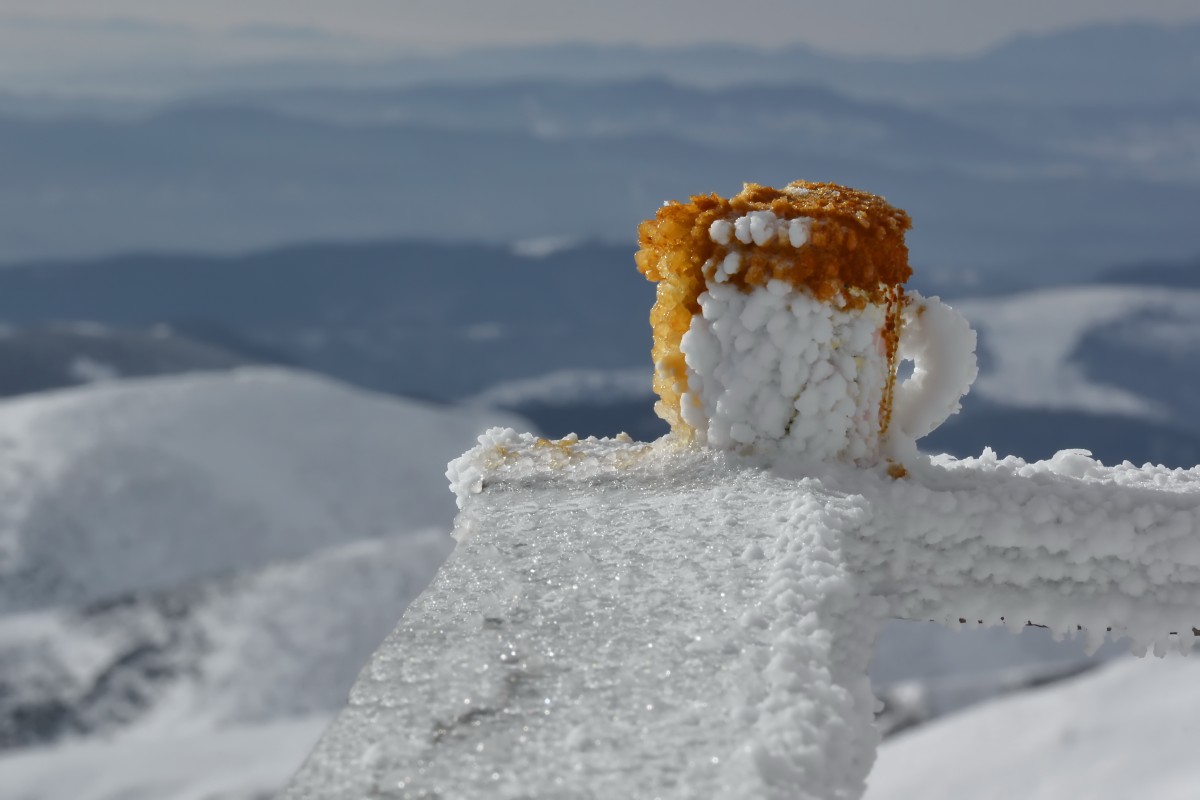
<point>775,365</point>
<point>695,617</point>
<point>663,621</point>
<point>729,271</point>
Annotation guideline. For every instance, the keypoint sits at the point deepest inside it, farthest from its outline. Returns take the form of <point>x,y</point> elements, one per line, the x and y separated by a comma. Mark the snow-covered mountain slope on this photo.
<point>143,485</point>
<point>922,671</point>
<point>282,642</point>
<point>1058,348</point>
<point>1125,731</point>
<point>243,762</point>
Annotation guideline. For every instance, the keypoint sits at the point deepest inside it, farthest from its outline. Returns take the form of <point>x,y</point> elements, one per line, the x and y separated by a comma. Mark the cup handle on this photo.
<point>941,344</point>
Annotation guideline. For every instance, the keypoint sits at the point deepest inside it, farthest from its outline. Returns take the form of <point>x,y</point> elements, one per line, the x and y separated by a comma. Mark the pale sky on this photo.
<point>885,27</point>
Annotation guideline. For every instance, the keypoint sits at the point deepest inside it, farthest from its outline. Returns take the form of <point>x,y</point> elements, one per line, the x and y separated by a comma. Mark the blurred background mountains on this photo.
<point>440,226</point>
<point>1050,156</point>
<point>254,293</point>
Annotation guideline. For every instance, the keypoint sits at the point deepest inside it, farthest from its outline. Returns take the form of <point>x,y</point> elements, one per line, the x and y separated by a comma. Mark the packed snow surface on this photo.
<point>146,484</point>
<point>1125,731</point>
<point>678,622</point>
<point>247,762</point>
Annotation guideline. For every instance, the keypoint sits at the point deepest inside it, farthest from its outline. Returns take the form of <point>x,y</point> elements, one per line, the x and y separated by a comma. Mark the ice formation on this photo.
<point>683,622</point>
<point>941,345</point>
<point>780,320</point>
<point>778,367</point>
<point>679,621</point>
<point>812,263</point>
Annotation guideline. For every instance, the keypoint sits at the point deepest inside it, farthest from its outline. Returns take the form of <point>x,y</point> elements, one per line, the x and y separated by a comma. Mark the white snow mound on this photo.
<point>1127,730</point>
<point>194,763</point>
<point>146,484</point>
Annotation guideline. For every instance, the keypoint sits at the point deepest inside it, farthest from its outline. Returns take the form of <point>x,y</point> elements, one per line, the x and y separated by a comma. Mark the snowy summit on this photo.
<point>695,617</point>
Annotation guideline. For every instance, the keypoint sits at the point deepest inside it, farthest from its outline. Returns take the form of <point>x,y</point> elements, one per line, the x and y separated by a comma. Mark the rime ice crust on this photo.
<point>776,369</point>
<point>1067,542</point>
<point>940,343</point>
<point>641,620</point>
<point>836,244</point>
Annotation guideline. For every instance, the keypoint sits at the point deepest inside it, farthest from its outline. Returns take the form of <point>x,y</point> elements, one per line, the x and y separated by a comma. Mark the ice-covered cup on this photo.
<point>780,320</point>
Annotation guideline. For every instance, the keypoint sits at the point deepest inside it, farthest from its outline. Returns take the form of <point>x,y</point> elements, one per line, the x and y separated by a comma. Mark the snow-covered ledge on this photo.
<point>693,618</point>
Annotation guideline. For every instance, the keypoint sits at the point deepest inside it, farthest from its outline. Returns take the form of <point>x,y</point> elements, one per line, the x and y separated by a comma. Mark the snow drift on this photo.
<point>144,485</point>
<point>1125,731</point>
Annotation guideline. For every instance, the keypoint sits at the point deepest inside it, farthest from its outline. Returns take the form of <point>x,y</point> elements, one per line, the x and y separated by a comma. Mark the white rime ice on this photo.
<point>777,368</point>
<point>933,339</point>
<point>778,371</point>
<point>624,619</point>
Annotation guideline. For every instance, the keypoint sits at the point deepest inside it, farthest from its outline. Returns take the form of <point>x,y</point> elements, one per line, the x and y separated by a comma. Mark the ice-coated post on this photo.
<point>779,323</point>
<point>632,619</point>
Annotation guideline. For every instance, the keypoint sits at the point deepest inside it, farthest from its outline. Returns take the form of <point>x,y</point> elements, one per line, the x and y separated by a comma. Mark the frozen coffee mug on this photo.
<point>781,319</point>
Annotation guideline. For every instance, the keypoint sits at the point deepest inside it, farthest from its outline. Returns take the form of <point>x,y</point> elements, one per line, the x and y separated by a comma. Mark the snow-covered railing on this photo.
<point>695,617</point>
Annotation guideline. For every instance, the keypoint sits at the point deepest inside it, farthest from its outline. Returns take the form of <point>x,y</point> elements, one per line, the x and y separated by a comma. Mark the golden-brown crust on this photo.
<point>857,239</point>
<point>855,254</point>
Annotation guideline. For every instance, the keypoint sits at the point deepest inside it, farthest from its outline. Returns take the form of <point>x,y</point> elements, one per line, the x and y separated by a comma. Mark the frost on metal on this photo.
<point>661,621</point>
<point>694,618</point>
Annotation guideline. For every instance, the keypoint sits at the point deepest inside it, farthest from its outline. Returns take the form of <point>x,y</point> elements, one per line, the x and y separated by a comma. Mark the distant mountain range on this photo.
<point>1008,161</point>
<point>229,179</point>
<point>1181,274</point>
<point>48,356</point>
<point>563,338</point>
<point>421,319</point>
<point>785,118</point>
<point>1105,63</point>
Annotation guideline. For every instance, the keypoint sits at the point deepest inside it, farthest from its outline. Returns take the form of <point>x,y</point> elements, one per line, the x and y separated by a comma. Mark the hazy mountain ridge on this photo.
<point>998,179</point>
<point>448,322</point>
<point>414,318</point>
<point>1155,61</point>
<point>45,356</point>
<point>789,117</point>
<point>1075,65</point>
<point>1180,274</point>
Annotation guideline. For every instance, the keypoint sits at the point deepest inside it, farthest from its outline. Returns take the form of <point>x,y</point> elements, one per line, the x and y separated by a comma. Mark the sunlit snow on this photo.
<point>694,624</point>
